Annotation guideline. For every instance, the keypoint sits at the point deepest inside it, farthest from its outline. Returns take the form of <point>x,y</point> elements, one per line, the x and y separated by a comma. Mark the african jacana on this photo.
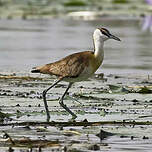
<point>76,67</point>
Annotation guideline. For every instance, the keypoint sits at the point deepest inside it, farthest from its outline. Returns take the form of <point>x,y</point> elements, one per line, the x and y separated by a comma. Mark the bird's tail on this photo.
<point>41,69</point>
<point>35,70</point>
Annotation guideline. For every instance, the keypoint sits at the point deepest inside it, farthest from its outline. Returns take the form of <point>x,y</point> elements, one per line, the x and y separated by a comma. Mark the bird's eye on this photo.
<point>105,32</point>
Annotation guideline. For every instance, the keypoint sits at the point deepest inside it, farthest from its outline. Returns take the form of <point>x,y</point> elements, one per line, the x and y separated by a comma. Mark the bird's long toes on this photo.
<point>73,118</point>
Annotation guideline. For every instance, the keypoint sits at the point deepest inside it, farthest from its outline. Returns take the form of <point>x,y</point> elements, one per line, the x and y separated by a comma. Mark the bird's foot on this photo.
<point>68,110</point>
<point>73,119</point>
<point>74,99</point>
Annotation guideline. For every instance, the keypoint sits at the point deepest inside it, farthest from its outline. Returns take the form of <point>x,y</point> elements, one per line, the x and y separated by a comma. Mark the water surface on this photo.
<point>26,43</point>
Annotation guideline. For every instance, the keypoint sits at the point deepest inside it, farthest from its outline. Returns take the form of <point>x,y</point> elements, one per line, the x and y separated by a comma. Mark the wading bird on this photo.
<point>76,67</point>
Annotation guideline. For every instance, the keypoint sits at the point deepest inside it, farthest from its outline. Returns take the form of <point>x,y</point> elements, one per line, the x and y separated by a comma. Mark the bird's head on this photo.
<point>103,34</point>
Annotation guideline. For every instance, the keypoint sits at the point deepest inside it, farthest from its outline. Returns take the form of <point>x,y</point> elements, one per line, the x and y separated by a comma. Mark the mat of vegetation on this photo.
<point>114,114</point>
<point>47,8</point>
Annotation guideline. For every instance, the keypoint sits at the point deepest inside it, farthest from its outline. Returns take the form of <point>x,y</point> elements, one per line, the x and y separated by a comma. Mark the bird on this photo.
<point>76,67</point>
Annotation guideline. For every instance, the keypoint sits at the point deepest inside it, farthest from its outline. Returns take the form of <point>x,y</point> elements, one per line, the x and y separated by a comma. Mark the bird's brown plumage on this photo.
<point>70,66</point>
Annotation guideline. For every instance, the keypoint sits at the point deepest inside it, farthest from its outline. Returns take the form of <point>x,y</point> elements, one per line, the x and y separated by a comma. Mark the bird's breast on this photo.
<point>91,68</point>
<point>95,63</point>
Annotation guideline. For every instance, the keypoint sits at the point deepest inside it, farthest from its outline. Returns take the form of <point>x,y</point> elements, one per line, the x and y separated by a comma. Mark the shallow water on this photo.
<point>26,43</point>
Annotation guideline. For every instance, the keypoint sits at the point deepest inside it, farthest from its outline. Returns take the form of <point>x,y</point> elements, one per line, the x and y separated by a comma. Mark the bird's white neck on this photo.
<point>98,46</point>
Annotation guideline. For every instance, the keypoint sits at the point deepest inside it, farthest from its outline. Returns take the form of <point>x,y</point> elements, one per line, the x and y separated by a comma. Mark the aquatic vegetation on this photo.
<point>121,114</point>
<point>120,1</point>
<point>75,3</point>
<point>48,9</point>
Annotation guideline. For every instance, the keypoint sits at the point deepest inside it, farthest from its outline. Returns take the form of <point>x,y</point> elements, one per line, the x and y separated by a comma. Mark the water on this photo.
<point>27,43</point>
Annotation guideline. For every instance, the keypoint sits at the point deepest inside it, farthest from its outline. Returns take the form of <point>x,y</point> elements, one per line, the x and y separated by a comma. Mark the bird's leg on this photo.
<point>63,105</point>
<point>44,98</point>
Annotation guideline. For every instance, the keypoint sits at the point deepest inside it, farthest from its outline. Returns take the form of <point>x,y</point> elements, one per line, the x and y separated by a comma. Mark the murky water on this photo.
<point>26,43</point>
